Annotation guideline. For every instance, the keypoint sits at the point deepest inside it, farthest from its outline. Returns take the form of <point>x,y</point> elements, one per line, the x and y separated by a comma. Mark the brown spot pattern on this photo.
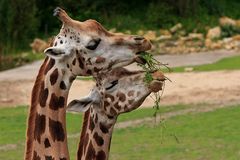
<point>49,158</point>
<point>71,79</point>
<point>40,125</point>
<point>49,65</point>
<point>117,106</point>
<point>43,95</point>
<point>103,128</point>
<point>85,142</point>
<point>91,154</point>
<point>74,61</point>
<point>130,93</point>
<point>106,103</point>
<point>56,102</point>
<point>96,118</point>
<point>54,77</point>
<point>91,124</point>
<point>99,140</point>
<point>121,96</point>
<point>97,69</point>
<point>63,85</point>
<point>101,155</point>
<point>130,101</point>
<point>89,72</point>
<point>100,59</point>
<point>56,130</point>
<point>112,111</point>
<point>80,61</point>
<point>47,143</point>
<point>109,96</point>
<point>35,156</point>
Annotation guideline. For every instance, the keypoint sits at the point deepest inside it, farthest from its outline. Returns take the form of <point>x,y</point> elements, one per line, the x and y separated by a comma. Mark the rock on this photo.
<point>171,44</point>
<point>213,45</point>
<point>182,33</point>
<point>214,33</point>
<point>164,32</point>
<point>208,43</point>
<point>175,28</point>
<point>150,35</point>
<point>188,69</point>
<point>238,24</point>
<point>236,37</point>
<point>113,30</point>
<point>228,46</point>
<point>164,37</point>
<point>227,40</point>
<point>194,36</point>
<point>140,32</point>
<point>216,45</point>
<point>194,44</point>
<point>38,45</point>
<point>128,32</point>
<point>226,21</point>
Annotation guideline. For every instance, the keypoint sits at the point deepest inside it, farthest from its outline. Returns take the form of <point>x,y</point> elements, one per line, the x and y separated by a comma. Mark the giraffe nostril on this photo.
<point>138,38</point>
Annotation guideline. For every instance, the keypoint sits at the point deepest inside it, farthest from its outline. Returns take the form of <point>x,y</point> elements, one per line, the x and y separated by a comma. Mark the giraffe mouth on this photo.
<point>139,59</point>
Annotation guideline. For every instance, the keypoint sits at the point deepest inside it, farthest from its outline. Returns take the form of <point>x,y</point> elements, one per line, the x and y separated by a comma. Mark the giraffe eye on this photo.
<point>93,44</point>
<point>113,83</point>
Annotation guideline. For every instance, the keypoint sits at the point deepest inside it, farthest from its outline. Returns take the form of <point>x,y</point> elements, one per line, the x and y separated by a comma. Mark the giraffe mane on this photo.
<point>32,109</point>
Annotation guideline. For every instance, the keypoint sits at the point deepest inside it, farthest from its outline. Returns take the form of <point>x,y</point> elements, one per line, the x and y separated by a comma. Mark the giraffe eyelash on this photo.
<point>93,44</point>
<point>113,83</point>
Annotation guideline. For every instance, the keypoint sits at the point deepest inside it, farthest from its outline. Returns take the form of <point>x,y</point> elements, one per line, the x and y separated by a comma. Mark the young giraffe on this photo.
<point>117,92</point>
<point>81,48</point>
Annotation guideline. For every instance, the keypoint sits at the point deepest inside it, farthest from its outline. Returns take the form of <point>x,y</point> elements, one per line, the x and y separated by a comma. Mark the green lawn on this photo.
<point>213,135</point>
<point>230,63</point>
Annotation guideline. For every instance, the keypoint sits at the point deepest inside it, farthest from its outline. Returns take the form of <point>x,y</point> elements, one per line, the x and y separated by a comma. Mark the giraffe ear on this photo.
<point>57,52</point>
<point>81,105</point>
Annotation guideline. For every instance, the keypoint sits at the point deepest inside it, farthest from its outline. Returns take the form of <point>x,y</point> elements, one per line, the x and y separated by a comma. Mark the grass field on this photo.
<point>230,63</point>
<point>213,135</point>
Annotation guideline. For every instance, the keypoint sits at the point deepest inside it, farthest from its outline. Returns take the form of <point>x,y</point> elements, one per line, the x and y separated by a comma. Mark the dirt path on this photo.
<point>204,87</point>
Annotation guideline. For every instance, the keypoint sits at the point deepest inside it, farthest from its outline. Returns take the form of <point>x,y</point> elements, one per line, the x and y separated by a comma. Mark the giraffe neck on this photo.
<point>46,133</point>
<point>95,137</point>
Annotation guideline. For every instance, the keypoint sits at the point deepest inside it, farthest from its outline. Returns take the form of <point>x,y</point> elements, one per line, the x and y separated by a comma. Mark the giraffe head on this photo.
<point>88,48</point>
<point>118,92</point>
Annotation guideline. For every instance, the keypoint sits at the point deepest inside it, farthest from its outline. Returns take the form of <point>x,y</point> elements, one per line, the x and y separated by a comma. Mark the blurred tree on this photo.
<point>22,20</point>
<point>18,23</point>
<point>185,7</point>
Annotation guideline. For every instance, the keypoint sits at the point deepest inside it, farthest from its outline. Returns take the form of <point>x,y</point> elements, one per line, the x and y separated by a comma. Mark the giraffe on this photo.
<point>80,48</point>
<point>116,92</point>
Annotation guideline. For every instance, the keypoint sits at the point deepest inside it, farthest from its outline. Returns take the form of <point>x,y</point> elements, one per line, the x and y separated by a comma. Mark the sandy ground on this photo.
<point>217,87</point>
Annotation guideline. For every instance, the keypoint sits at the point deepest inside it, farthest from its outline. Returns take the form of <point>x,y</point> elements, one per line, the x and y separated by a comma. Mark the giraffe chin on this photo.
<point>156,86</point>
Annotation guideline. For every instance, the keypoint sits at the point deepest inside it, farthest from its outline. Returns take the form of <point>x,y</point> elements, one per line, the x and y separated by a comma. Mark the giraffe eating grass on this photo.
<point>81,48</point>
<point>116,92</point>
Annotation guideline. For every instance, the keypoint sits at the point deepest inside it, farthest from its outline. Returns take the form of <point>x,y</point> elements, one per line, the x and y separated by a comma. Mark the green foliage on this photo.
<point>228,31</point>
<point>152,65</point>
<point>22,20</point>
<point>18,24</point>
